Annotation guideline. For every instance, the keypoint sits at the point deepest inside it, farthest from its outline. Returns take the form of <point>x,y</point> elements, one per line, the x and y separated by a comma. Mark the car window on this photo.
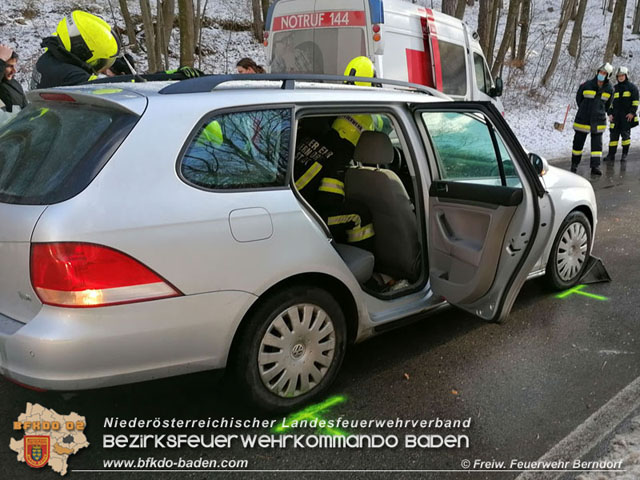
<point>454,75</point>
<point>465,149</point>
<point>240,150</point>
<point>43,159</point>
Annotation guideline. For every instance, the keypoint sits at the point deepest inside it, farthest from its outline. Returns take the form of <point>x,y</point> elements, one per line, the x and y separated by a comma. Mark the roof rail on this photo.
<point>209,82</point>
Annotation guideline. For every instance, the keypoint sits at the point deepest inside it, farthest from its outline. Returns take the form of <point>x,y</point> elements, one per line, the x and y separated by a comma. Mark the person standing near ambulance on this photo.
<point>622,114</point>
<point>594,98</point>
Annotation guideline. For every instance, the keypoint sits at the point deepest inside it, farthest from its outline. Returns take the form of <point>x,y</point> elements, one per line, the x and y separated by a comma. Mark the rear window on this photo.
<point>323,50</point>
<point>51,152</point>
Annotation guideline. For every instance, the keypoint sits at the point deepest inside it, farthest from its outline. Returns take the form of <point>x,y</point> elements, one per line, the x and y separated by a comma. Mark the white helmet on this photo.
<point>606,67</point>
<point>623,71</point>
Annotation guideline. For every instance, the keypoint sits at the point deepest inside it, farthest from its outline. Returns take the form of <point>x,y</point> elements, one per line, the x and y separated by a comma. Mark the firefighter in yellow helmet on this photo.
<point>360,67</point>
<point>323,153</point>
<point>82,46</point>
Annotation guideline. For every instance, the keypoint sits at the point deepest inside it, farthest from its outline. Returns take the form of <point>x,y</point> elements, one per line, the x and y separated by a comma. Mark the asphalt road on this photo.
<point>525,384</point>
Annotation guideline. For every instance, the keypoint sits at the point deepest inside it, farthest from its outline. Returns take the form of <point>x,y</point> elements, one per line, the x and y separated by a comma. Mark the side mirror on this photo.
<point>496,91</point>
<point>540,164</point>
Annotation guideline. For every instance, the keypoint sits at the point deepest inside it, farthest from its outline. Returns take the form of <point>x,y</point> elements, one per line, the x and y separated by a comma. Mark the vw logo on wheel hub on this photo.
<point>297,351</point>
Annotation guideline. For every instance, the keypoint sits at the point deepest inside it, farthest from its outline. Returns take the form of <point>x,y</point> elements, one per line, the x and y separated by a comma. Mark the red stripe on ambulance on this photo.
<point>343,18</point>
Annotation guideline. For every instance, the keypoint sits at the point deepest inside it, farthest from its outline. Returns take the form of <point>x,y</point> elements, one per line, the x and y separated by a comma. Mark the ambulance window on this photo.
<point>465,150</point>
<point>454,74</point>
<point>324,50</point>
<point>483,78</point>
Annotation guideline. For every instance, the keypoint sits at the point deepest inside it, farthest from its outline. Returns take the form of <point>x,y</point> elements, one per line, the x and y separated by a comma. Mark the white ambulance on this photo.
<point>406,42</point>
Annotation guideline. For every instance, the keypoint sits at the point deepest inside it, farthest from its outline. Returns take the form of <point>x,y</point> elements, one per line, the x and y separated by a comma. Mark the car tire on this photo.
<point>570,252</point>
<point>290,349</point>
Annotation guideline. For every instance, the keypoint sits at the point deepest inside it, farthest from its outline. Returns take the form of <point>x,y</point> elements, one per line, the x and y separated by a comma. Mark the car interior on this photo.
<point>381,177</point>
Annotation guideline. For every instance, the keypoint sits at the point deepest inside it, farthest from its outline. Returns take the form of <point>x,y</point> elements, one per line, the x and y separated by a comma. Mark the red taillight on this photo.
<point>266,34</point>
<point>57,97</point>
<point>87,275</point>
<point>376,28</point>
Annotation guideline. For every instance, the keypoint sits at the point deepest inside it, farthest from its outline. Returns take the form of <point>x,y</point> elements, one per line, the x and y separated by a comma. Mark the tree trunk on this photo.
<point>483,26</point>
<point>149,35</point>
<point>258,24</point>
<point>470,3</point>
<point>159,32</point>
<point>131,28</point>
<point>564,21</point>
<point>509,35</point>
<point>495,18</point>
<point>636,19</point>
<point>610,5</point>
<point>449,7</point>
<point>186,21</point>
<point>265,12</point>
<point>460,7</point>
<point>525,22</point>
<point>576,33</point>
<point>614,43</point>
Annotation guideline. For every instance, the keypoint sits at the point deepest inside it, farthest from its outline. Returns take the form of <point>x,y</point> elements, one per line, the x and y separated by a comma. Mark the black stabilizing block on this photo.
<point>595,272</point>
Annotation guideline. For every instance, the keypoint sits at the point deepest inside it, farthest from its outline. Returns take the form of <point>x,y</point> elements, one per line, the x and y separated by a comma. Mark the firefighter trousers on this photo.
<point>350,222</point>
<point>615,134</point>
<point>596,148</point>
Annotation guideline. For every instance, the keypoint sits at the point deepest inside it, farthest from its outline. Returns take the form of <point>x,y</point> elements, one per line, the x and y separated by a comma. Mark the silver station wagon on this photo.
<point>156,229</point>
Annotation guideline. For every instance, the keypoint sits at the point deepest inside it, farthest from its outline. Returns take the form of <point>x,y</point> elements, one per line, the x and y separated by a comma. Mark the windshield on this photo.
<point>323,50</point>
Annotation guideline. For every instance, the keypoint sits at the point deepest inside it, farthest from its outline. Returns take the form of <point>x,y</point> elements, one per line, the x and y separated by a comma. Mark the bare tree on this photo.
<point>576,32</point>
<point>129,25</point>
<point>525,23</point>
<point>449,7</point>
<point>614,42</point>
<point>258,24</point>
<point>460,7</point>
<point>495,18</point>
<point>265,11</point>
<point>486,29</point>
<point>507,38</point>
<point>636,18</point>
<point>149,35</point>
<point>166,13</point>
<point>186,21</point>
<point>567,9</point>
<point>610,5</point>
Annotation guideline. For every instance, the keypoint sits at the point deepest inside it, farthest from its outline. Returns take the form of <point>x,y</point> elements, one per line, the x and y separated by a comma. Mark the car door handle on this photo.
<point>442,188</point>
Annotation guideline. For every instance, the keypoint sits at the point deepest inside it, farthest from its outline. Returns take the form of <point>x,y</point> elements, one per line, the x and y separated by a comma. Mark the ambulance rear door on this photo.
<point>316,36</point>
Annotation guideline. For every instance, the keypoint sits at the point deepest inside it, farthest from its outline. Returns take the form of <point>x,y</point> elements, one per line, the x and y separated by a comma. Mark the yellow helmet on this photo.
<point>211,134</point>
<point>89,38</point>
<point>351,126</point>
<point>360,67</point>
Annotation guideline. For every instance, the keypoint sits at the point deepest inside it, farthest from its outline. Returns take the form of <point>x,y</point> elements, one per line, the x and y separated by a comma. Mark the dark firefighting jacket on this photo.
<point>593,105</point>
<point>625,101</point>
<point>57,67</point>
<point>321,162</point>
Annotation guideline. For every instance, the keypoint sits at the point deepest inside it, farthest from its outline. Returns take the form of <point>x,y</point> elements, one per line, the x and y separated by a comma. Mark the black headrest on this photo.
<point>373,148</point>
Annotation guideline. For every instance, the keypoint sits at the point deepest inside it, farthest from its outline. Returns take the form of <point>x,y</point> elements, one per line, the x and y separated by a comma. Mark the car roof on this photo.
<point>226,91</point>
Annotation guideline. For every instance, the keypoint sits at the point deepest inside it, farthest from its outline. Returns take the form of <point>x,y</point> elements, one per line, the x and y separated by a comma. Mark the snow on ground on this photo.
<point>531,110</point>
<point>625,447</point>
